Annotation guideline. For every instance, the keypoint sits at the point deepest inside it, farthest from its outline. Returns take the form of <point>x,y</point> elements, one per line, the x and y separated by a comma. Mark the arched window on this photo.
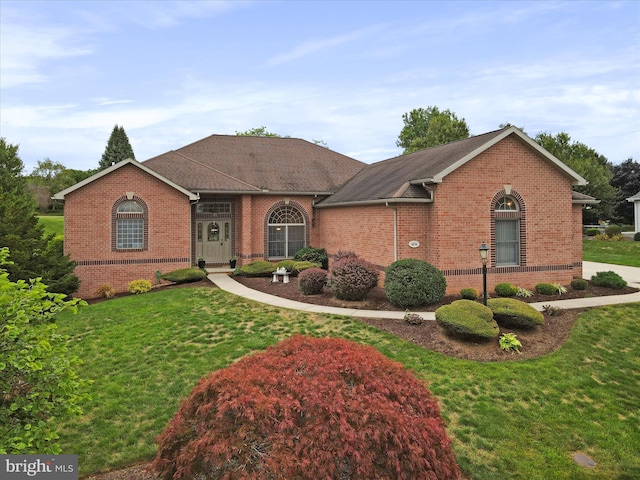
<point>129,222</point>
<point>508,222</point>
<point>286,232</point>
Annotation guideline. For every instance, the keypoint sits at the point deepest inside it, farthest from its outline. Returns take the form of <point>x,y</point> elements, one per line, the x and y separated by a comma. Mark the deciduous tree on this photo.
<point>424,128</point>
<point>626,178</point>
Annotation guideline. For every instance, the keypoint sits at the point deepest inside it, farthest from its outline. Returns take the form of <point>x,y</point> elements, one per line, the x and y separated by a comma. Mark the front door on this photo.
<point>213,240</point>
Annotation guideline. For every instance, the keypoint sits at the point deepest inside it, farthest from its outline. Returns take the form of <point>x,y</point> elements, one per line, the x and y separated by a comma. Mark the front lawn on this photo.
<point>521,419</point>
<point>618,253</point>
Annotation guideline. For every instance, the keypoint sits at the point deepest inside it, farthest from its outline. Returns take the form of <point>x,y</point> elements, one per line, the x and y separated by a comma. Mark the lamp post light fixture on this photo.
<point>484,255</point>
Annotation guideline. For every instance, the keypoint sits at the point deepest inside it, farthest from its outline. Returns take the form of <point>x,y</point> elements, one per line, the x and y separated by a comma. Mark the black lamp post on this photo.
<point>484,255</point>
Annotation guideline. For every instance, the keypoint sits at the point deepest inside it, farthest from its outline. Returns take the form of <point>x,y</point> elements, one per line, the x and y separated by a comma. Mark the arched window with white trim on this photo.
<point>508,217</point>
<point>286,232</point>
<point>129,221</point>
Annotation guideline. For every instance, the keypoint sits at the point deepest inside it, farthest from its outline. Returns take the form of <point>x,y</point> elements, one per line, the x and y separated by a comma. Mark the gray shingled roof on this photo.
<point>400,178</point>
<point>231,163</point>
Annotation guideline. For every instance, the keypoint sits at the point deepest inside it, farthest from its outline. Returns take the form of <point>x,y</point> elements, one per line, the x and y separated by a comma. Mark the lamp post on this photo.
<point>484,255</point>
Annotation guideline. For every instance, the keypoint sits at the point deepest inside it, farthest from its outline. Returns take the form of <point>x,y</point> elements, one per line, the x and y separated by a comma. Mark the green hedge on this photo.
<point>510,312</point>
<point>468,319</point>
<point>184,275</point>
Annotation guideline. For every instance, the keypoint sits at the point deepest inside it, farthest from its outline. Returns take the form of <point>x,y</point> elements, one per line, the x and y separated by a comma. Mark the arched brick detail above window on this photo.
<point>129,224</point>
<point>277,212</point>
<point>520,214</point>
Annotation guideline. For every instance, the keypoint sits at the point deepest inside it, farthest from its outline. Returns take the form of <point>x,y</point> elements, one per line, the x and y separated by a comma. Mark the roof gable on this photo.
<point>60,195</point>
<point>385,180</point>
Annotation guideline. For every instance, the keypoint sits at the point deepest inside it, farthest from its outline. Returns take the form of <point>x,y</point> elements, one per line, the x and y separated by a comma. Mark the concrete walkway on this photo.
<point>630,274</point>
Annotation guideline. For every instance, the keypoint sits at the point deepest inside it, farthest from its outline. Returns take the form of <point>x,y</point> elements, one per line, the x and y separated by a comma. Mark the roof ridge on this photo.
<point>186,157</point>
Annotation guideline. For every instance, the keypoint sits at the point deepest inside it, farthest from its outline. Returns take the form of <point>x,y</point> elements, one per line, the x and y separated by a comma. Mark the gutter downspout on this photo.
<point>395,230</point>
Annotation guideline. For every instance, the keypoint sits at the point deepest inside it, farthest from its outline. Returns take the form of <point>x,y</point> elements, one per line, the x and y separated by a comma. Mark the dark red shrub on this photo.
<point>308,408</point>
<point>342,254</point>
<point>312,281</point>
<point>352,278</point>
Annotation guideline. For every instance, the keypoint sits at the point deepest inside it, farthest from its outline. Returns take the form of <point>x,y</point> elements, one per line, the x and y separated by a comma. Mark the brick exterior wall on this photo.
<point>88,231</point>
<point>450,229</point>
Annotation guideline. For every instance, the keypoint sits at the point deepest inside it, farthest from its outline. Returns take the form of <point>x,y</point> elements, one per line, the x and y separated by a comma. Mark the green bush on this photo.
<point>592,232</point>
<point>184,275</point>
<point>286,264</point>
<point>257,268</point>
<point>469,294</point>
<point>312,281</point>
<point>546,288</point>
<point>579,284</point>
<point>608,279</point>
<point>312,254</point>
<point>506,289</point>
<point>353,278</point>
<point>510,312</point>
<point>411,283</point>
<point>305,265</point>
<point>139,286</point>
<point>636,237</point>
<point>612,230</point>
<point>467,319</point>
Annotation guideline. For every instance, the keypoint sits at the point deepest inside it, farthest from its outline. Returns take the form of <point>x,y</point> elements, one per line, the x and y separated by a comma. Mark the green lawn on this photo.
<point>521,419</point>
<point>618,253</point>
<point>52,224</point>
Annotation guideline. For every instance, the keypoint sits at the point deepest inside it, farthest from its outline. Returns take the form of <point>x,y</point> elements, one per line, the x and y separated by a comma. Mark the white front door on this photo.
<point>213,240</point>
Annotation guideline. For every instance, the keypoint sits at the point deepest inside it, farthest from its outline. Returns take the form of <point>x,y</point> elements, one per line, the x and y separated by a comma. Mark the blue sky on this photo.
<point>174,72</point>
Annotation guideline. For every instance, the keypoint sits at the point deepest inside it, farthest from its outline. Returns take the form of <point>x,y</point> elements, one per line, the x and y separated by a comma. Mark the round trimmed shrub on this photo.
<point>184,275</point>
<point>546,288</point>
<point>139,286</point>
<point>467,319</point>
<point>308,408</point>
<point>312,281</point>
<point>301,266</point>
<point>608,279</point>
<point>506,289</point>
<point>353,278</point>
<point>592,232</point>
<point>342,254</point>
<point>579,284</point>
<point>510,312</point>
<point>612,230</point>
<point>257,268</point>
<point>636,237</point>
<point>286,264</point>
<point>469,294</point>
<point>411,283</point>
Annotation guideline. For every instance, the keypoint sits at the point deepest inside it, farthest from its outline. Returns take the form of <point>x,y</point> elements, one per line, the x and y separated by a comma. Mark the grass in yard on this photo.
<point>52,224</point>
<point>618,253</point>
<point>520,419</point>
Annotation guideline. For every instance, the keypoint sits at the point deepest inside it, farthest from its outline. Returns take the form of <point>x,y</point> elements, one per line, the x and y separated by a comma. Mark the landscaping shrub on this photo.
<point>353,278</point>
<point>636,237</point>
<point>257,268</point>
<point>287,264</point>
<point>546,289</point>
<point>592,232</point>
<point>308,408</point>
<point>469,294</point>
<point>523,292</point>
<point>579,284</point>
<point>467,319</point>
<point>342,254</point>
<point>312,281</point>
<point>305,265</point>
<point>608,279</point>
<point>105,291</point>
<point>411,283</point>
<point>413,318</point>
<point>139,286</point>
<point>509,342</point>
<point>312,254</point>
<point>506,289</point>
<point>510,312</point>
<point>184,275</point>
<point>612,230</point>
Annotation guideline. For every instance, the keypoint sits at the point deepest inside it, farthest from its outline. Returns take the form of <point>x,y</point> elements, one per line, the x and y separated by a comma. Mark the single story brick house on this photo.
<point>265,198</point>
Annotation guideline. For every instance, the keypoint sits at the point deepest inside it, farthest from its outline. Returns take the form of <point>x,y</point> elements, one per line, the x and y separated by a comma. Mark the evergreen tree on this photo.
<point>118,148</point>
<point>33,254</point>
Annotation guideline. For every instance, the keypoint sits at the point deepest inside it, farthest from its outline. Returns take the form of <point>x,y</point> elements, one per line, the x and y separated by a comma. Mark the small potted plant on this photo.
<point>232,262</point>
<point>201,263</point>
